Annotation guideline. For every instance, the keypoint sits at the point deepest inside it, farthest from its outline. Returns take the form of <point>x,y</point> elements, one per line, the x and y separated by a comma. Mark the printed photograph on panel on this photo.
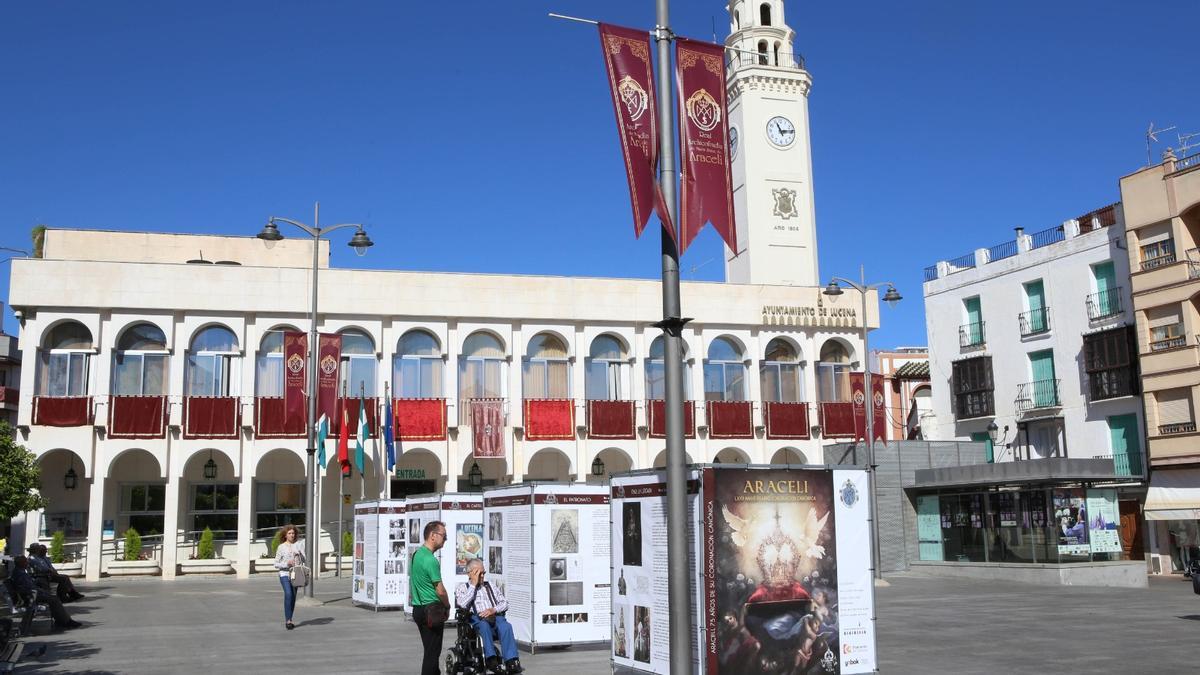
<point>397,549</point>
<point>358,530</point>
<point>495,526</point>
<point>414,531</point>
<point>620,644</point>
<point>468,545</point>
<point>631,533</point>
<point>495,560</point>
<point>641,634</point>
<point>558,569</point>
<point>564,531</point>
<point>396,530</point>
<point>776,571</point>
<point>566,593</point>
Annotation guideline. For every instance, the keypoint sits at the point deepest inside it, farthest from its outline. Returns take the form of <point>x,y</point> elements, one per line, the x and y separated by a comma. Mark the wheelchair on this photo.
<point>466,657</point>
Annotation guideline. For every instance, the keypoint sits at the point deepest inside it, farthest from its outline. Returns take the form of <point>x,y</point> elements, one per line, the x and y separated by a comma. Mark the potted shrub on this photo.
<point>266,561</point>
<point>63,562</point>
<point>205,561</point>
<point>133,561</point>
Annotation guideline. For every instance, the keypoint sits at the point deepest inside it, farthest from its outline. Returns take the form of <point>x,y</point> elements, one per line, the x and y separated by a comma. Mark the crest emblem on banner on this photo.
<point>828,661</point>
<point>551,499</point>
<point>849,493</point>
<point>620,492</point>
<point>859,398</point>
<point>633,97</point>
<point>454,506</point>
<point>329,364</point>
<point>295,363</point>
<point>703,110</point>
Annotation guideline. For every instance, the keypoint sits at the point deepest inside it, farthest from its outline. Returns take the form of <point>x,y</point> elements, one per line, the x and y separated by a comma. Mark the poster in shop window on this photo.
<point>1070,517</point>
<point>1103,521</point>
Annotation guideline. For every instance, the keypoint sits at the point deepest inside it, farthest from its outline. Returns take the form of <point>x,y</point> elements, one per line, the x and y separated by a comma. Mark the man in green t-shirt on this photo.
<point>426,592</point>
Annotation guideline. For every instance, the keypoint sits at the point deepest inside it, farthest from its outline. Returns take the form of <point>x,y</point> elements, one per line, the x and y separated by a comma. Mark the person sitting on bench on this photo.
<point>42,567</point>
<point>28,589</point>
<point>487,606</point>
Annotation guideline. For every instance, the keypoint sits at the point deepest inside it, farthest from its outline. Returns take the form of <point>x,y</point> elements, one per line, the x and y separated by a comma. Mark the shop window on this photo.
<point>277,504</point>
<point>214,505</point>
<point>142,506</point>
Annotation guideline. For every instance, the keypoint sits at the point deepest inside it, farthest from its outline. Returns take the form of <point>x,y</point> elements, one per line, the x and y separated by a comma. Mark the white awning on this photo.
<point>1174,494</point>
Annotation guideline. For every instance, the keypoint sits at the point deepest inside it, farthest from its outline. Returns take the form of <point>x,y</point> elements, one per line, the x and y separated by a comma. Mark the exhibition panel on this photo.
<point>463,516</point>
<point>380,576</point>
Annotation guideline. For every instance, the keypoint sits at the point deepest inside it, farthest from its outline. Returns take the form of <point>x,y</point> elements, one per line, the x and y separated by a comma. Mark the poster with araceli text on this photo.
<point>787,572</point>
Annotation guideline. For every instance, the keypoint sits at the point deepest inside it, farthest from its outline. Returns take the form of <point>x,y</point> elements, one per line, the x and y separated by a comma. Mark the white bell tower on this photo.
<point>772,160</point>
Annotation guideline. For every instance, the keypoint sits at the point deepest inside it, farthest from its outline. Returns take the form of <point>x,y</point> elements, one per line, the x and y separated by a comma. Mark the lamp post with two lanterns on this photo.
<point>360,242</point>
<point>891,297</point>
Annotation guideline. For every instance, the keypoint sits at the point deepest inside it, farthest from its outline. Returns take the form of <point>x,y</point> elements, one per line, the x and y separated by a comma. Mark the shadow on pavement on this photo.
<point>56,653</point>
<point>1190,617</point>
<point>319,621</point>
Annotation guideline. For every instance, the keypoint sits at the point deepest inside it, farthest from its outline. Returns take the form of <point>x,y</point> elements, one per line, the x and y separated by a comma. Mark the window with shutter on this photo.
<point>972,382</point>
<point>1174,408</point>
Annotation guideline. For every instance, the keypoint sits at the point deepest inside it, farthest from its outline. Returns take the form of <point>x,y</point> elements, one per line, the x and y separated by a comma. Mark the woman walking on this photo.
<point>289,554</point>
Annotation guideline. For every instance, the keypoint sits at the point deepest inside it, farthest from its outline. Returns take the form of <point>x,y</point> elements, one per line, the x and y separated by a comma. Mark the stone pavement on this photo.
<point>225,625</point>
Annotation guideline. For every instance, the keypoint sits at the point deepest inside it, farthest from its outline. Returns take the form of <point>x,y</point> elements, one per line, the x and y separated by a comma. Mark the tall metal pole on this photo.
<point>672,326</point>
<point>870,408</point>
<point>312,528</point>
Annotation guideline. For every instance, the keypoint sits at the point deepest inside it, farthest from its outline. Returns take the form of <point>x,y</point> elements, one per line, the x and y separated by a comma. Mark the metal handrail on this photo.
<point>1158,261</point>
<point>1046,237</point>
<point>1177,428</point>
<point>1104,303</point>
<point>1003,250</point>
<point>1169,343</point>
<point>1036,395</point>
<point>1189,162</point>
<point>962,262</point>
<point>1035,321</point>
<point>931,273</point>
<point>971,334</point>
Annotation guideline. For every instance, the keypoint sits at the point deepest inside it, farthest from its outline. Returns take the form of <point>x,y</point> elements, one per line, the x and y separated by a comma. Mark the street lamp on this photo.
<point>70,479</point>
<point>210,468</point>
<point>891,297</point>
<point>597,467</point>
<point>475,475</point>
<point>360,242</point>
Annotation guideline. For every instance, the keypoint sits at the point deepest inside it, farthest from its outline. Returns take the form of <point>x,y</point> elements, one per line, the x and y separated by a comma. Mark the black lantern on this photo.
<point>70,479</point>
<point>597,466</point>
<point>475,475</point>
<point>210,468</point>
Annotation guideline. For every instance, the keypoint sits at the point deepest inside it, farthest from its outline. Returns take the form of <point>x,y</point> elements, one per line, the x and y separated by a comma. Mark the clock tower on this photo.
<point>772,161</point>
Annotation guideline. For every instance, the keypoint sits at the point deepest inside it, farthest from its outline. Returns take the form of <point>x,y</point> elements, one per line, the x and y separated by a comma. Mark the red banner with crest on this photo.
<point>879,408</point>
<point>329,357</point>
<point>295,360</point>
<point>858,397</point>
<point>707,194</point>
<point>631,82</point>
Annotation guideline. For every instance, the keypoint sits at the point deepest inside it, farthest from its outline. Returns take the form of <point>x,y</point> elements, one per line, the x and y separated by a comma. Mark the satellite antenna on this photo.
<point>1152,137</point>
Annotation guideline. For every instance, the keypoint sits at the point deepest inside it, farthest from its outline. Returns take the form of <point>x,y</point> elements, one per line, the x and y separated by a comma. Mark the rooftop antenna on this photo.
<point>1186,142</point>
<point>693,268</point>
<point>1152,137</point>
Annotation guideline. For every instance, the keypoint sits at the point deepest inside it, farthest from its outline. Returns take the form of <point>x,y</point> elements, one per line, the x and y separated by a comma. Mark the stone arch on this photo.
<point>851,352</point>
<point>660,460</point>
<point>789,456</point>
<point>192,464</point>
<point>55,325</point>
<point>237,343</point>
<point>128,456</point>
<point>615,460</point>
<point>279,464</point>
<point>493,469</point>
<point>550,464</point>
<point>731,455</point>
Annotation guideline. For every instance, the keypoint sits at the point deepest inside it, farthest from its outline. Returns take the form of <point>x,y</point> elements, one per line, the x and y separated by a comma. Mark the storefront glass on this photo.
<point>1184,537</point>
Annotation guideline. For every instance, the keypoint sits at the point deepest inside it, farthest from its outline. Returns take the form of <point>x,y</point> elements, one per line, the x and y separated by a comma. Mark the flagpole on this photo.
<point>680,616</point>
<point>341,482</point>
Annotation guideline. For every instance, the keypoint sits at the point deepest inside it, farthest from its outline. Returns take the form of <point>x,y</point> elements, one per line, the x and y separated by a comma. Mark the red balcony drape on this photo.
<point>657,420</point>
<point>611,419</point>
<point>419,419</point>
<point>786,420</point>
<point>137,416</point>
<point>837,419</point>
<point>211,417</point>
<point>351,405</point>
<point>271,422</point>
<point>730,419</point>
<point>62,411</point>
<point>549,419</point>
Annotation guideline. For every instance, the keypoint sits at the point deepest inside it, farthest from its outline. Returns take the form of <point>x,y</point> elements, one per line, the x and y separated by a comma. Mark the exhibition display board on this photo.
<point>548,549</point>
<point>380,575</point>
<point>784,583</point>
<point>463,516</point>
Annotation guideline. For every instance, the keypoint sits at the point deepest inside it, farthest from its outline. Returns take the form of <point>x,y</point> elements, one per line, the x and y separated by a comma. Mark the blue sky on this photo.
<point>479,136</point>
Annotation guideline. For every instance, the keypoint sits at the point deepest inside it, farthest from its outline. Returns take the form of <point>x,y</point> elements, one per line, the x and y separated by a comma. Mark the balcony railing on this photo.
<point>1124,463</point>
<point>1046,237</point>
<point>1105,303</point>
<point>1035,321</point>
<point>971,334</point>
<point>1003,250</point>
<point>1036,395</point>
<point>1114,383</point>
<point>1176,428</point>
<point>1193,260</point>
<point>1158,261</point>
<point>962,262</point>
<point>931,273</point>
<point>1186,163</point>
<point>974,404</point>
<point>1168,343</point>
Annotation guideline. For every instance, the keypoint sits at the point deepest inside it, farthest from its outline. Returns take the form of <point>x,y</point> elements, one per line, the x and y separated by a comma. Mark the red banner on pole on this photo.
<point>329,356</point>
<point>295,371</point>
<point>704,140</point>
<point>631,82</point>
<point>858,398</point>
<point>880,422</point>
<point>487,427</point>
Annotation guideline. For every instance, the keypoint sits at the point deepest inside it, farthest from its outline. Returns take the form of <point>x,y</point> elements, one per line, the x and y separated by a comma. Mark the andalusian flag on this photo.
<point>364,432</point>
<point>322,434</point>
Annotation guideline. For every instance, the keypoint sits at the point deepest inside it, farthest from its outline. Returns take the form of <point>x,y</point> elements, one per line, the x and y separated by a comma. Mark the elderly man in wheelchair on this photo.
<point>481,608</point>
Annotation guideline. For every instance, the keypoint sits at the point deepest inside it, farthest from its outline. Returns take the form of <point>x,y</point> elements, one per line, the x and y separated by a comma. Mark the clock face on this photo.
<point>781,131</point>
<point>733,142</point>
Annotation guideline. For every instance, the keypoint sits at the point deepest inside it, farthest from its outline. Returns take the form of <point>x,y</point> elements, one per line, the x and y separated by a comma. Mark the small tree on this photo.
<point>20,477</point>
<point>57,542</point>
<point>275,542</point>
<point>133,545</point>
<point>347,543</point>
<point>206,550</point>
<point>37,237</point>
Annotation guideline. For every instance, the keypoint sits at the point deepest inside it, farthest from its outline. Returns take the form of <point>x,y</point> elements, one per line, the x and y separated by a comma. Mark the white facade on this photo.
<point>1064,421</point>
<point>772,157</point>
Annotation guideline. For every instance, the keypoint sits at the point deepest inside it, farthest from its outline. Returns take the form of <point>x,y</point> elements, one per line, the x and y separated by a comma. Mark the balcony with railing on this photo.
<point>1166,344</point>
<point>1046,237</point>
<point>1104,304</point>
<point>1176,428</point>
<point>1125,463</point>
<point>971,334</point>
<point>972,404</point>
<point>1113,383</point>
<point>1158,261</point>
<point>1035,321</point>
<point>1037,395</point>
<point>1187,163</point>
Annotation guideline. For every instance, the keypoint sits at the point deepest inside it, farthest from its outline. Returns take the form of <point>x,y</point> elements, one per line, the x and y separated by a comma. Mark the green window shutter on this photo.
<point>1106,288</point>
<point>974,320</point>
<point>983,437</point>
<point>1045,393</point>
<point>1126,444</point>
<point>1035,295</point>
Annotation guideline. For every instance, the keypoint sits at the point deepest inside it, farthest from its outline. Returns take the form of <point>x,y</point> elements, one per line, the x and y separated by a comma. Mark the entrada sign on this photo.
<point>410,474</point>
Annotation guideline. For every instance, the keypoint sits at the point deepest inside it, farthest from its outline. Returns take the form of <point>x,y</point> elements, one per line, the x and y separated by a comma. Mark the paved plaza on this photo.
<point>225,625</point>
